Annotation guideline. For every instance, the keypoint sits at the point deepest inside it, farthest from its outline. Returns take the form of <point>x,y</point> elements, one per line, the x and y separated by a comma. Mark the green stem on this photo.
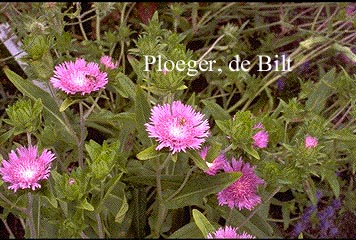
<point>81,138</point>
<point>161,207</point>
<point>183,184</point>
<point>30,217</point>
<point>81,24</point>
<point>39,216</point>
<point>257,208</point>
<point>100,226</point>
<point>227,149</point>
<point>29,141</point>
<point>211,48</point>
<point>97,25</point>
<point>83,235</point>
<point>65,118</point>
<point>93,105</point>
<point>11,235</point>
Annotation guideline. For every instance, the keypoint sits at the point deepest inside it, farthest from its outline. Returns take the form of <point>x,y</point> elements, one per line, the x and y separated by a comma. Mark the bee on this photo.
<point>90,77</point>
<point>182,121</point>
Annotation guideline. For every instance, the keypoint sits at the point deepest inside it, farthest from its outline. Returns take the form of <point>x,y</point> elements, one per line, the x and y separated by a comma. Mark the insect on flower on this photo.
<point>90,77</point>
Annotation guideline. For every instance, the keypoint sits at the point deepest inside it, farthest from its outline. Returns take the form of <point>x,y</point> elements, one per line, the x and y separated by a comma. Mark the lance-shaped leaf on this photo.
<point>142,111</point>
<point>203,223</point>
<point>198,188</point>
<point>216,110</point>
<point>149,153</point>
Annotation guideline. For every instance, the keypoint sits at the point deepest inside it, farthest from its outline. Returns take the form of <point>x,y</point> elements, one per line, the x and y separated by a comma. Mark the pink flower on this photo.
<point>78,77</point>
<point>228,232</point>
<point>310,142</point>
<point>26,168</point>
<point>107,61</point>
<point>242,193</point>
<point>177,126</point>
<point>261,137</point>
<point>216,165</point>
<point>71,181</point>
<point>350,9</point>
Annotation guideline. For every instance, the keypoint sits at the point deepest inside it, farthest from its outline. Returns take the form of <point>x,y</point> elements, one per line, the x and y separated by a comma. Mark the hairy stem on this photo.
<point>100,226</point>
<point>30,217</point>
<point>257,208</point>
<point>183,184</point>
<point>81,138</point>
<point>161,208</point>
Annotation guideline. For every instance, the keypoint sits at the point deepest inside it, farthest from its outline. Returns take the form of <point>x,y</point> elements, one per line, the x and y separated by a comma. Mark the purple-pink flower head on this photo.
<point>350,9</point>
<point>243,192</point>
<point>108,62</point>
<point>310,142</point>
<point>261,137</point>
<point>78,77</point>
<point>177,126</point>
<point>228,232</point>
<point>218,163</point>
<point>26,168</point>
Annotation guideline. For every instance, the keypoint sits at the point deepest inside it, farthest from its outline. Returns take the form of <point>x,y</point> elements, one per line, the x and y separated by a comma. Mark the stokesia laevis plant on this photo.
<point>144,118</point>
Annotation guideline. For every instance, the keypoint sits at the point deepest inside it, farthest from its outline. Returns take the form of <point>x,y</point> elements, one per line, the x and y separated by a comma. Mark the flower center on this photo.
<point>27,173</point>
<point>240,188</point>
<point>80,80</point>
<point>177,129</point>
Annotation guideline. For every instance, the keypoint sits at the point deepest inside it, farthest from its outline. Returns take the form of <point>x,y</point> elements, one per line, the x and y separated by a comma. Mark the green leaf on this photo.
<point>333,182</point>
<point>111,185</point>
<point>167,182</point>
<point>67,103</point>
<point>48,195</point>
<point>224,125</point>
<point>5,136</point>
<point>142,111</point>
<point>202,222</point>
<point>216,110</point>
<point>188,231</point>
<point>199,162</point>
<point>310,42</point>
<point>311,190</point>
<point>250,150</point>
<point>213,152</point>
<point>200,187</point>
<point>136,66</point>
<point>149,153</point>
<point>181,87</point>
<point>286,215</point>
<point>317,100</point>
<point>119,217</point>
<point>84,204</point>
<point>30,90</point>
<point>124,86</point>
<point>346,50</point>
